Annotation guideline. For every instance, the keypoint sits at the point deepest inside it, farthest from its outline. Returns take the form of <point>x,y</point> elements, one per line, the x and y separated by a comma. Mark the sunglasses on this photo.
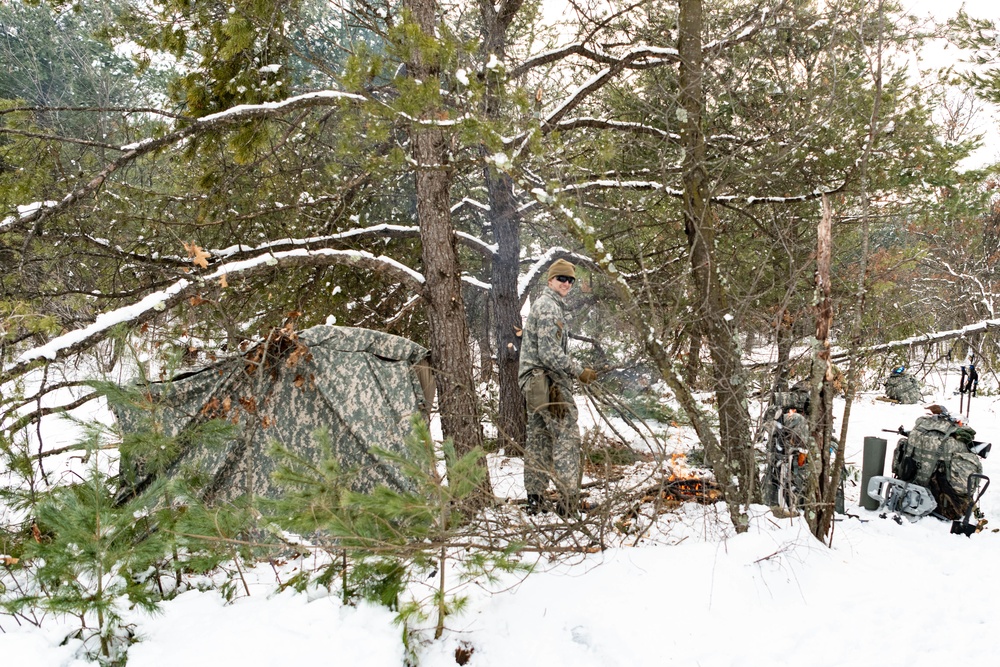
<point>565,279</point>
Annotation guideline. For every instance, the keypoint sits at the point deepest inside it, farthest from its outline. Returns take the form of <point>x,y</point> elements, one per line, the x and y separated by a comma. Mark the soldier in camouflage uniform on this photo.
<point>545,375</point>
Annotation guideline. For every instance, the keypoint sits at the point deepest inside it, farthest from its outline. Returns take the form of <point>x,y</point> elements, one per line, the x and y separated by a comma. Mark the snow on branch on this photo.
<point>607,124</point>
<point>382,230</point>
<point>242,112</point>
<point>640,56</point>
<point>923,339</point>
<point>36,213</point>
<point>791,199</point>
<point>487,250</point>
<point>476,282</point>
<point>577,96</point>
<point>80,339</point>
<point>150,306</point>
<point>609,184</point>
<point>26,212</point>
<point>398,231</point>
<point>466,201</point>
<point>606,184</point>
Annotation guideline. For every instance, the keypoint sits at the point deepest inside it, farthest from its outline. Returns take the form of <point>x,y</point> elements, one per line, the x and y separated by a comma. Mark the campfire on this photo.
<point>681,490</point>
<point>681,485</point>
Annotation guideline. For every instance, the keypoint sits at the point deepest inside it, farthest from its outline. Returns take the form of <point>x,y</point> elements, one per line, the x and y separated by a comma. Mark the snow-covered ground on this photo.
<point>691,593</point>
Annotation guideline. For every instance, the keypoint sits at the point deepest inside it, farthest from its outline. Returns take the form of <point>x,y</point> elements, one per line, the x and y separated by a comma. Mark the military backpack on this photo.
<point>936,454</point>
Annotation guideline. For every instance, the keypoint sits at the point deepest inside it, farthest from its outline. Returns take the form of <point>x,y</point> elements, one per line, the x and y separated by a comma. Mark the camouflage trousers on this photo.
<point>552,448</point>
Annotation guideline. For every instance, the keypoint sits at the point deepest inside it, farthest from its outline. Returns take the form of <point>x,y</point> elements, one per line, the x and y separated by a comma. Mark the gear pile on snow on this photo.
<point>936,454</point>
<point>937,468</point>
<point>902,387</point>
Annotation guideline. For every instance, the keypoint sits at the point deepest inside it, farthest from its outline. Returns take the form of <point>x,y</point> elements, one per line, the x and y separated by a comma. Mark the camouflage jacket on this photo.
<point>544,341</point>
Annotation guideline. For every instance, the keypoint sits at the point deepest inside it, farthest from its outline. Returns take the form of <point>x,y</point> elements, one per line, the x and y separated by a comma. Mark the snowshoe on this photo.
<point>895,495</point>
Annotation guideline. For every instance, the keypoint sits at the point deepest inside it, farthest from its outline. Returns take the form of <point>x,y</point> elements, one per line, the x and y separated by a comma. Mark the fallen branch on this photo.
<point>923,339</point>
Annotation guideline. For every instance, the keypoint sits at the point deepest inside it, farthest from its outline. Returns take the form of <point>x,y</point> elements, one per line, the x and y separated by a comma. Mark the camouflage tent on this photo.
<point>361,386</point>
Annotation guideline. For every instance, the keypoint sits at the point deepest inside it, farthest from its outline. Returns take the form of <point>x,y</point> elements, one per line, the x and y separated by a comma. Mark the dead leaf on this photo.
<point>210,408</point>
<point>222,281</point>
<point>35,533</point>
<point>197,300</point>
<point>10,560</point>
<point>199,257</point>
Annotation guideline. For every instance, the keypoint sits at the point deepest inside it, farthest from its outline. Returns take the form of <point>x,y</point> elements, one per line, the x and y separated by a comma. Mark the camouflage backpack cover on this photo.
<point>796,397</point>
<point>903,388</point>
<point>785,476</point>
<point>935,454</point>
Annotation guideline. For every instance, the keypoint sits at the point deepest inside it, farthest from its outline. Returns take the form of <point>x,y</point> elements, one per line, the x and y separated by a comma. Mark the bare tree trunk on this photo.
<point>451,356</point>
<point>506,222</point>
<point>485,341</point>
<point>850,390</point>
<point>733,461</point>
<point>511,421</point>
<point>819,511</point>
<point>693,365</point>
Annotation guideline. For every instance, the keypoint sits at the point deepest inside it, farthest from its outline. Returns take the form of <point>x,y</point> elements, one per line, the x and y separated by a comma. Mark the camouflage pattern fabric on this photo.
<point>544,342</point>
<point>785,475</point>
<point>552,447</point>
<point>786,470</point>
<point>935,440</point>
<point>792,399</point>
<point>361,386</point>
<point>903,388</point>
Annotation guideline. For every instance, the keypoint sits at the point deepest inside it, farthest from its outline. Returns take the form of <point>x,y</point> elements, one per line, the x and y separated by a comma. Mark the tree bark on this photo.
<point>693,364</point>
<point>451,356</point>
<point>733,460</point>
<point>784,336</point>
<point>819,507</point>
<point>824,527</point>
<point>506,222</point>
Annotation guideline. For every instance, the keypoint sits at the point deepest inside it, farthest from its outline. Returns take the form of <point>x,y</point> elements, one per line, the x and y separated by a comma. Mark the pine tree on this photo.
<point>388,538</point>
